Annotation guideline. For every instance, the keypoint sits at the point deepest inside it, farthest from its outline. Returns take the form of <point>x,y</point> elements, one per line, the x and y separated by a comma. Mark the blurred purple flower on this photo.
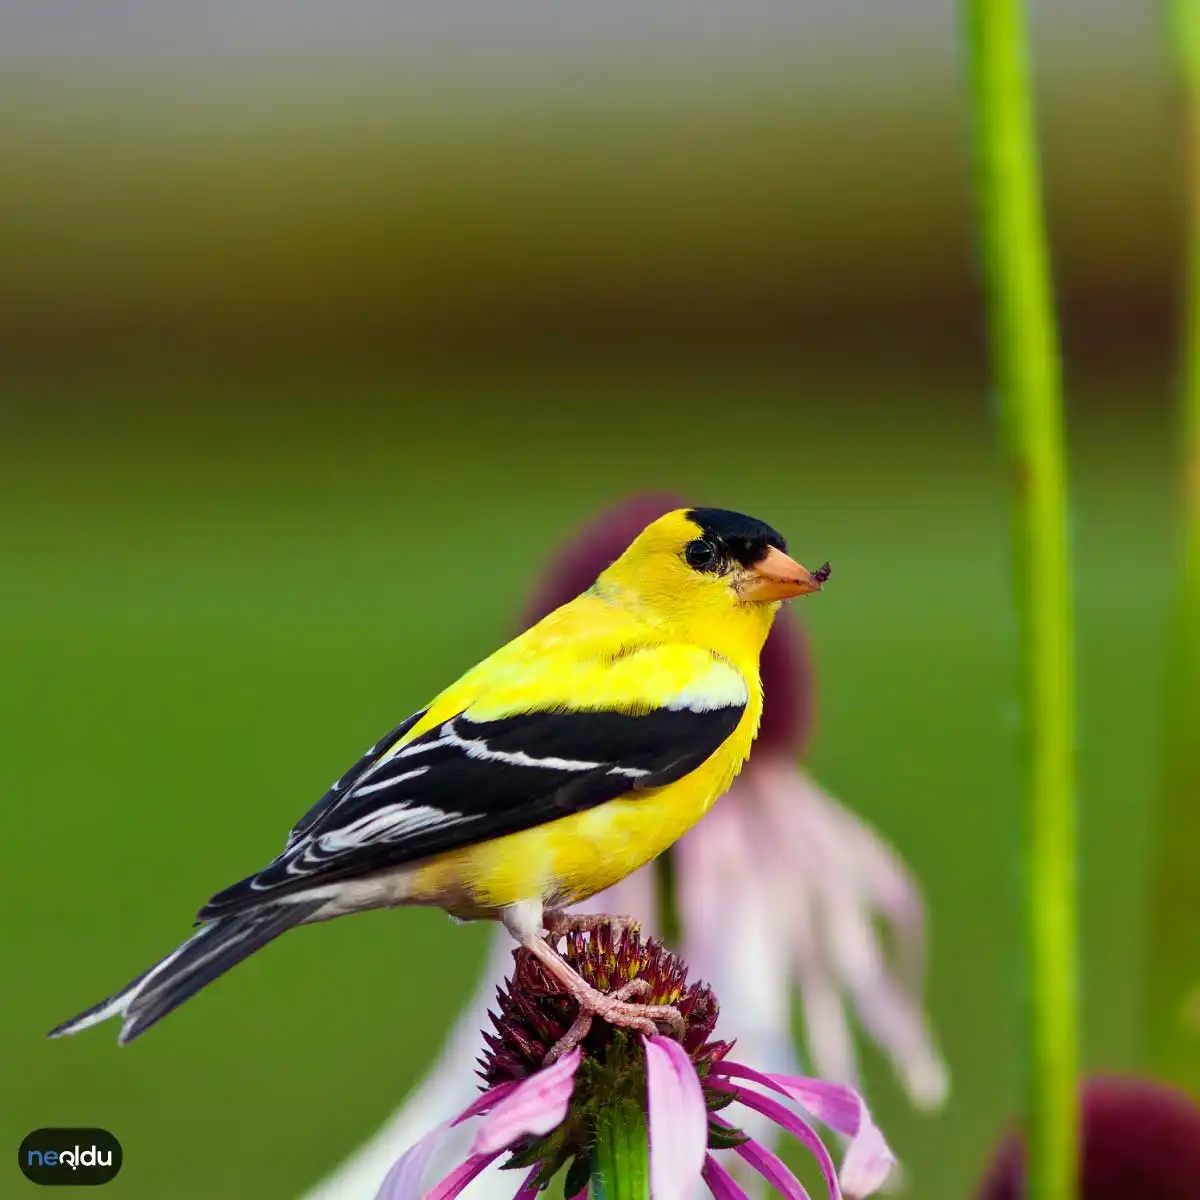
<point>1140,1139</point>
<point>545,1117</point>
<point>801,887</point>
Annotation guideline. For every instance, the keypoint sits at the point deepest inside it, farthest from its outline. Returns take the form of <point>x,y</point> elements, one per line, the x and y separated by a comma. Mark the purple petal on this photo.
<point>535,1106</point>
<point>868,1163</point>
<point>836,1106</point>
<point>733,924</point>
<point>527,1191</point>
<point>868,1159</point>
<point>720,1182</point>
<point>889,1007</point>
<point>839,1107</point>
<point>796,852</point>
<point>404,1180</point>
<point>486,1102</point>
<point>826,1024</point>
<point>732,918</point>
<point>889,882</point>
<point>855,878</point>
<point>770,1166</point>
<point>583,1195</point>
<point>457,1180</point>
<point>799,1129</point>
<point>678,1119</point>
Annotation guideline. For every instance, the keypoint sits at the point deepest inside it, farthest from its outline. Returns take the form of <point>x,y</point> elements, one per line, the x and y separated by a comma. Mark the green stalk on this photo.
<point>1174,941</point>
<point>621,1158</point>
<point>1025,356</point>
<point>668,903</point>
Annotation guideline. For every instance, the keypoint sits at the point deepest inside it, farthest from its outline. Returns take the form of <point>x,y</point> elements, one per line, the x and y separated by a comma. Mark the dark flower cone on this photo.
<point>533,1013</point>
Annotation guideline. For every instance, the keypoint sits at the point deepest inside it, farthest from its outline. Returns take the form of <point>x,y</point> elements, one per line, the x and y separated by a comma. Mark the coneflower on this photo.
<point>642,1116</point>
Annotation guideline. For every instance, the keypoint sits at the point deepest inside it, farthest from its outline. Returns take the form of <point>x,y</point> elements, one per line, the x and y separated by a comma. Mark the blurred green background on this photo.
<point>286,341</point>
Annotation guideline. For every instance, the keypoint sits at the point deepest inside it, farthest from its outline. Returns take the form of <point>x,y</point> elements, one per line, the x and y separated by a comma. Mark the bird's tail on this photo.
<point>209,952</point>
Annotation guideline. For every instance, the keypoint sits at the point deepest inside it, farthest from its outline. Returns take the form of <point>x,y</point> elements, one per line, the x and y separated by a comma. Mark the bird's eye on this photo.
<point>700,554</point>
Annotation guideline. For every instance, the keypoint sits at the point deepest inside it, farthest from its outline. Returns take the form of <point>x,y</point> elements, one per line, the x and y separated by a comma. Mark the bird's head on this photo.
<point>786,666</point>
<point>707,569</point>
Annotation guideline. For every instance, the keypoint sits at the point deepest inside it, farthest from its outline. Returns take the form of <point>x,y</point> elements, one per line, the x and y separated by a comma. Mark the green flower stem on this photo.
<point>621,1158</point>
<point>1173,1024</point>
<point>668,904</point>
<point>1025,354</point>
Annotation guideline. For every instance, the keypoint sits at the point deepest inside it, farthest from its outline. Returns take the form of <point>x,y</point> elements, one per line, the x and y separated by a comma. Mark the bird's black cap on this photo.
<point>744,538</point>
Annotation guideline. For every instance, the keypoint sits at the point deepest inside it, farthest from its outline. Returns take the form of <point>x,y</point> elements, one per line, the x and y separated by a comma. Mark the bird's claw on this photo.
<point>558,924</point>
<point>619,1009</point>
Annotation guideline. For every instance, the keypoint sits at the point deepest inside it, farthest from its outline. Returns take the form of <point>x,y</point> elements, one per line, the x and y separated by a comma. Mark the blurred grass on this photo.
<point>218,589</point>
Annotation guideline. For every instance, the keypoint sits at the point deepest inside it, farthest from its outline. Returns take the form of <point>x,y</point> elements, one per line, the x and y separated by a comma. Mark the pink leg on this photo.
<point>616,1009</point>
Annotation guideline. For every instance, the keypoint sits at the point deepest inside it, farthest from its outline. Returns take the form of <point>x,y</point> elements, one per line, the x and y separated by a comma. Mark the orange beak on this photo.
<point>777,577</point>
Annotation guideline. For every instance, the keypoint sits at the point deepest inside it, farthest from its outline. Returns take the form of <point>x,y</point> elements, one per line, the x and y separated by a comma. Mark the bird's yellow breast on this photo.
<point>568,860</point>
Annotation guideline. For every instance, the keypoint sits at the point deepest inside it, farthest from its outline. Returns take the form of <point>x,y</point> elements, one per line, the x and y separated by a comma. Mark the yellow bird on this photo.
<point>557,766</point>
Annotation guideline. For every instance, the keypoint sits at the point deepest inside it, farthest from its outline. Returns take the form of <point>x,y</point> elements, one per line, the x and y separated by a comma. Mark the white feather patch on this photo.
<point>720,687</point>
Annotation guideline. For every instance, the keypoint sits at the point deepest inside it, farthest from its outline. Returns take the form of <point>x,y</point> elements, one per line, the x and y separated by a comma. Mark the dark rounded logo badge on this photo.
<point>69,1157</point>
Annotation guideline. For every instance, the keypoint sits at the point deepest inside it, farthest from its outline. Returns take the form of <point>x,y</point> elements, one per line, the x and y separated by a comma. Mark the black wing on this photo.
<point>464,782</point>
<point>345,783</point>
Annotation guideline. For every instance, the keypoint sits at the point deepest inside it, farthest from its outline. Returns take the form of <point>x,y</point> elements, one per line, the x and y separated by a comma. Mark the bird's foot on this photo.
<point>558,924</point>
<point>608,1007</point>
<point>620,1008</point>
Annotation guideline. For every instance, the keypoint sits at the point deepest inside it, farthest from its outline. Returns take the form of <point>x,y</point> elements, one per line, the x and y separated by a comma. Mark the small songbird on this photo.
<point>557,766</point>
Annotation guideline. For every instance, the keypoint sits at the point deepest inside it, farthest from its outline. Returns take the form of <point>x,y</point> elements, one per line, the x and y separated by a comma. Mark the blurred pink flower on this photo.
<point>683,1082</point>
<point>779,888</point>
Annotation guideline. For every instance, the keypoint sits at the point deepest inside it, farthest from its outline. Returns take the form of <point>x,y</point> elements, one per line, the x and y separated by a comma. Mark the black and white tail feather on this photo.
<point>220,943</point>
<point>458,783</point>
<point>209,952</point>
